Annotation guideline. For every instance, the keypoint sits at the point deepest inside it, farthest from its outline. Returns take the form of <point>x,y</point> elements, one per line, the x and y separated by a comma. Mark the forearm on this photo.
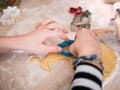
<point>88,74</point>
<point>87,77</point>
<point>9,43</point>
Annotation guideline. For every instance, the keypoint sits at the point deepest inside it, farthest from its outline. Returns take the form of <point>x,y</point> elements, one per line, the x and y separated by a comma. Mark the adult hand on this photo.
<point>35,41</point>
<point>86,44</point>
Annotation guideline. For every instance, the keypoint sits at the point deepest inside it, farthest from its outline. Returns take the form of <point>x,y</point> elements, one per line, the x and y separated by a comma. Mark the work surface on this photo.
<point>38,10</point>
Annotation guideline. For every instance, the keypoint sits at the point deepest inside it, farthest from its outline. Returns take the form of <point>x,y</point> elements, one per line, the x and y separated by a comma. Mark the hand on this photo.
<point>35,41</point>
<point>86,44</point>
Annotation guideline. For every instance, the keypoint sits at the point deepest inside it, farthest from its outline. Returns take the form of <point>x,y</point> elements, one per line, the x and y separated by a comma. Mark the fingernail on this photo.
<point>67,39</point>
<point>59,49</point>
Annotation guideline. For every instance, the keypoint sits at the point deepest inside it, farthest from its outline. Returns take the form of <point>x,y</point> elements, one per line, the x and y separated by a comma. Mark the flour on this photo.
<point>58,11</point>
<point>29,76</point>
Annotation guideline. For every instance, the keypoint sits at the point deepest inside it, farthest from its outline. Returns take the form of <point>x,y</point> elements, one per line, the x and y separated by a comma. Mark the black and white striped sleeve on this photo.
<point>87,77</point>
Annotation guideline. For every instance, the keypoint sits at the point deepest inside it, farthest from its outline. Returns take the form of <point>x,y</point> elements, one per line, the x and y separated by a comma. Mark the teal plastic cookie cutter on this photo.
<point>65,44</point>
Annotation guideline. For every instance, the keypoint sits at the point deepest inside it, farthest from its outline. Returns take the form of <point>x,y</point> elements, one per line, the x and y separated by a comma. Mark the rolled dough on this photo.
<point>109,59</point>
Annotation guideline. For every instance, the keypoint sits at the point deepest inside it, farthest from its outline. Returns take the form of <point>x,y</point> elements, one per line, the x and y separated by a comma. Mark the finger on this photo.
<point>96,39</point>
<point>54,26</point>
<point>51,24</point>
<point>83,30</point>
<point>37,25</point>
<point>81,34</point>
<point>53,49</point>
<point>94,36</point>
<point>48,34</point>
<point>49,21</point>
<point>61,35</point>
<point>89,33</point>
<point>43,24</point>
<point>73,50</point>
<point>56,34</point>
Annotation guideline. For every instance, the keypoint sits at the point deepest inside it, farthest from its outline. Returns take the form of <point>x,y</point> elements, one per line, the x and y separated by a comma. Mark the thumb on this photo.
<point>55,49</point>
<point>73,50</point>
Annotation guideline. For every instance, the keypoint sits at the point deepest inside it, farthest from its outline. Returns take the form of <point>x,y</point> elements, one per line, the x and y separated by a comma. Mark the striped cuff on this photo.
<point>87,77</point>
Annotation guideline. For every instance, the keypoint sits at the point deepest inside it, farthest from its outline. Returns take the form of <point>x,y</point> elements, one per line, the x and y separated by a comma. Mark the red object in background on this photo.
<point>10,2</point>
<point>76,11</point>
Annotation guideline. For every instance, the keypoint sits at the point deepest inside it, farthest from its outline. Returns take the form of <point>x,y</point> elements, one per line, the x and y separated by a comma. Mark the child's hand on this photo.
<point>86,44</point>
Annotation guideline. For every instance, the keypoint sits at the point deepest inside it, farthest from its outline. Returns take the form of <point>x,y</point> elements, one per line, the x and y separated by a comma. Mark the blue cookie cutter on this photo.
<point>64,44</point>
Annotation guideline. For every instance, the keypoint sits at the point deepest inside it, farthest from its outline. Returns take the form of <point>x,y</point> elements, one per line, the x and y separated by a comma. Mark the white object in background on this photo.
<point>117,5</point>
<point>9,15</point>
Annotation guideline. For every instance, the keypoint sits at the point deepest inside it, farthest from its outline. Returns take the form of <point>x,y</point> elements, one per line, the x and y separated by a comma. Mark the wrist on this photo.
<point>20,42</point>
<point>9,43</point>
<point>87,54</point>
<point>91,59</point>
<point>99,65</point>
<point>15,43</point>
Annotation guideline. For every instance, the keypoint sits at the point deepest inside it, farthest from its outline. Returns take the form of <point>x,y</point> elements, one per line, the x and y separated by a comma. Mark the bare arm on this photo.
<point>9,43</point>
<point>34,42</point>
